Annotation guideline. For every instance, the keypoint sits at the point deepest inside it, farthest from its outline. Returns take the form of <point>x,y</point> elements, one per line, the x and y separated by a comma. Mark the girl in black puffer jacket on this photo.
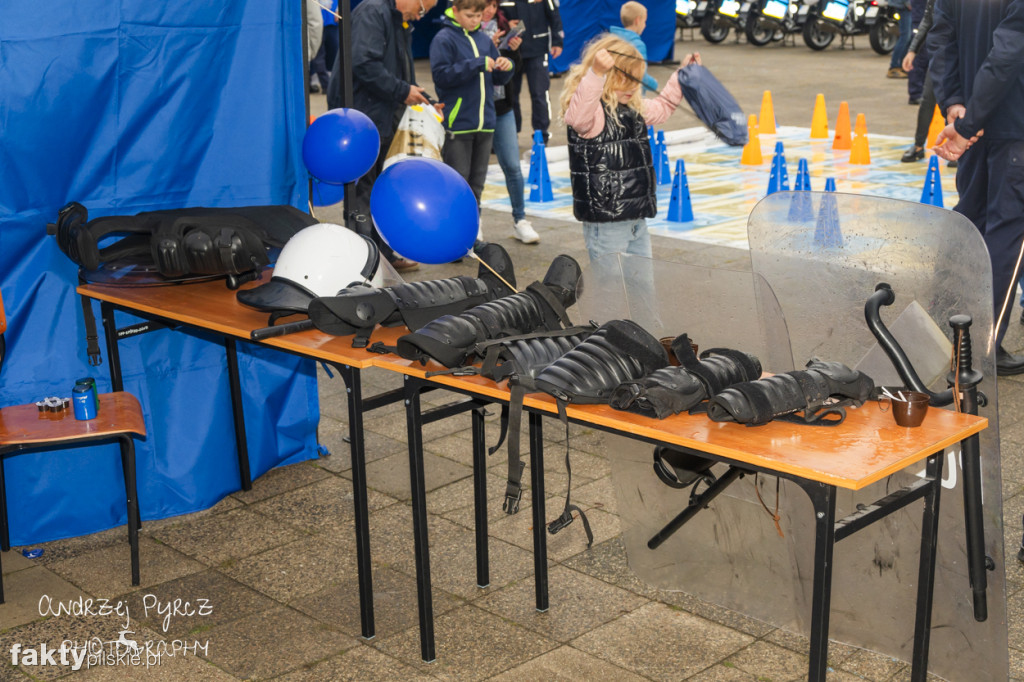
<point>610,164</point>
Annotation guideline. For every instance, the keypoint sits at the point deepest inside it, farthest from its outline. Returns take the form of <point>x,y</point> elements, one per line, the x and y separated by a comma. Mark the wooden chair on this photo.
<point>24,428</point>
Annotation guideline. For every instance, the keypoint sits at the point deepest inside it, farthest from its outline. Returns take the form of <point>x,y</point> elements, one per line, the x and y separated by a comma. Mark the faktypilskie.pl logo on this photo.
<point>127,649</point>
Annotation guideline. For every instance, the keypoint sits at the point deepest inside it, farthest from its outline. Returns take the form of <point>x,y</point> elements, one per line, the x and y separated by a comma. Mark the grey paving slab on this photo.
<point>279,480</point>
<point>471,645</point>
<point>394,603</point>
<point>390,474</point>
<point>233,534</point>
<point>296,569</point>
<point>662,643</point>
<point>358,664</point>
<point>578,603</point>
<point>295,640</point>
<point>566,664</point>
<point>106,572</point>
<point>322,507</point>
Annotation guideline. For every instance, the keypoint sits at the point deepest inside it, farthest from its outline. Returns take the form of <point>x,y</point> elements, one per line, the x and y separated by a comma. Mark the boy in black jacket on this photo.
<point>466,67</point>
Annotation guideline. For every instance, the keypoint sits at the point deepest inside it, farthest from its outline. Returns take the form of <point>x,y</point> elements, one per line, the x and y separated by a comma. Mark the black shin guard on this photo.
<point>452,338</point>
<point>821,390</point>
<point>618,351</point>
<point>360,309</point>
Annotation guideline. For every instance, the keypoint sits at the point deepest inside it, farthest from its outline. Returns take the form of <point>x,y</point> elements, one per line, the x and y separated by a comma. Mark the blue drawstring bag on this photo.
<point>713,104</point>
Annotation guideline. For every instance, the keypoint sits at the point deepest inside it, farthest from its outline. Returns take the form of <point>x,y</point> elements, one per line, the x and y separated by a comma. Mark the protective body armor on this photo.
<point>180,242</point>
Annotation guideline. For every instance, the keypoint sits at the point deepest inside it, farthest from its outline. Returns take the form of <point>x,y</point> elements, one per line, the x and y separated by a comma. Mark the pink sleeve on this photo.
<point>658,109</point>
<point>586,112</point>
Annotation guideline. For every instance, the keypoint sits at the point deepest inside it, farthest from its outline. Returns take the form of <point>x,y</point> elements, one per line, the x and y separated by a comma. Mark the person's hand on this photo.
<point>488,64</point>
<point>416,95</point>
<point>514,43</point>
<point>496,38</point>
<point>955,111</point>
<point>503,64</point>
<point>439,107</point>
<point>556,51</point>
<point>603,62</point>
<point>950,145</point>
<point>908,61</point>
<point>691,59</point>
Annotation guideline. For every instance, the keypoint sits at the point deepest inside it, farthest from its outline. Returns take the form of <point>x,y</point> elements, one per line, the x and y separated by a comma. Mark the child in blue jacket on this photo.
<point>466,66</point>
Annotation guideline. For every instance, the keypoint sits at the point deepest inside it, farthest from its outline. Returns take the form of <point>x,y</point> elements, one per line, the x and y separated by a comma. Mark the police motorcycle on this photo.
<point>828,18</point>
<point>686,13</point>
<point>770,20</point>
<point>883,25</point>
<point>723,15</point>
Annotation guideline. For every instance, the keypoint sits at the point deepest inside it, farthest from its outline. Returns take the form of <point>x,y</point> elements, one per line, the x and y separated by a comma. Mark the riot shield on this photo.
<point>816,258</point>
<point>823,254</point>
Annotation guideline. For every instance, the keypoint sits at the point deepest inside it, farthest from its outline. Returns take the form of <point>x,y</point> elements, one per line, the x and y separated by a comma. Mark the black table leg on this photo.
<point>540,539</point>
<point>926,569</point>
<point>239,416</point>
<point>483,569</point>
<point>132,495</point>
<point>823,497</point>
<point>354,386</point>
<point>424,594</point>
<point>113,356</point>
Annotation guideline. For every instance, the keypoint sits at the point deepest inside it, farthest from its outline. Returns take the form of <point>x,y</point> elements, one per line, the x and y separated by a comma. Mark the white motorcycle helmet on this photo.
<point>319,260</point>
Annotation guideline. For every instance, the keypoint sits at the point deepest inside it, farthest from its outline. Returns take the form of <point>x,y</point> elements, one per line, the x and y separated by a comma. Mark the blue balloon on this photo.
<point>340,146</point>
<point>326,194</point>
<point>425,210</point>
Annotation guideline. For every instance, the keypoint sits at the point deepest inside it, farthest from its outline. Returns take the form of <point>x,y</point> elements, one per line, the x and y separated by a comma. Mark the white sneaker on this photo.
<point>525,233</point>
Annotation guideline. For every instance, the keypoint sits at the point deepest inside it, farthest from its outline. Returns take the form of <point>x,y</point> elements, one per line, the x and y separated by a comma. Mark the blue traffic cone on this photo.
<point>662,172</point>
<point>827,233</point>
<point>803,177</point>
<point>680,210</point>
<point>778,181</point>
<point>539,178</point>
<point>800,206</point>
<point>932,193</point>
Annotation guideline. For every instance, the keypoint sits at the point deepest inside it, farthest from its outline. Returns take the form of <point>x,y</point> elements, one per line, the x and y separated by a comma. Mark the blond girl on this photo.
<point>610,163</point>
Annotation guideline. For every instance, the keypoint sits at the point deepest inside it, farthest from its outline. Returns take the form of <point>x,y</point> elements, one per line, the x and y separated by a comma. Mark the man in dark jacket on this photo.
<point>543,34</point>
<point>383,82</point>
<point>982,89</point>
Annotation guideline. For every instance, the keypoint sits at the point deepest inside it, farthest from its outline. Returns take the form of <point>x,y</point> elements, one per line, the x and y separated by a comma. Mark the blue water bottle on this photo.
<point>83,402</point>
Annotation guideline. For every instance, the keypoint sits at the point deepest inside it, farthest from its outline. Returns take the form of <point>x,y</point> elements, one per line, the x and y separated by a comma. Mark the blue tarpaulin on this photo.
<point>125,107</point>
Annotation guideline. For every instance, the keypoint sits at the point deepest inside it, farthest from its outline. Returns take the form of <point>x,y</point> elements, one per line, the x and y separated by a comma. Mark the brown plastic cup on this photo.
<point>910,412</point>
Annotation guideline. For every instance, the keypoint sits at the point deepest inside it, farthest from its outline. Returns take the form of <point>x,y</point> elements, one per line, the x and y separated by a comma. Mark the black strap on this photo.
<point>92,345</point>
<point>503,432</point>
<point>566,517</point>
<point>382,348</point>
<point>553,302</point>
<point>514,486</point>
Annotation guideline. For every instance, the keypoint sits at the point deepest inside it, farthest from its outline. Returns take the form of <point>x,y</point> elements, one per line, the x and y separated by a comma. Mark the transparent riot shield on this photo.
<point>823,255</point>
<point>816,258</point>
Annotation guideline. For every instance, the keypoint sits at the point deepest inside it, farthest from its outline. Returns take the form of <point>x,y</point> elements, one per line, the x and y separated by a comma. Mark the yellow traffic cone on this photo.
<point>937,124</point>
<point>860,153</point>
<point>752,149</point>
<point>819,122</point>
<point>842,139</point>
<point>766,121</point>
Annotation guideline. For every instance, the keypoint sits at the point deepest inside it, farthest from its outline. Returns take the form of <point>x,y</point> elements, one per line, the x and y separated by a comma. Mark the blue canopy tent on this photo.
<point>584,19</point>
<point>126,107</point>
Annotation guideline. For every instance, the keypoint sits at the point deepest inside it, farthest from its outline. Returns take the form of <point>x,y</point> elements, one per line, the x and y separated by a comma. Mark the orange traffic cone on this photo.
<point>937,124</point>
<point>766,121</point>
<point>842,139</point>
<point>819,122</point>
<point>752,149</point>
<point>859,152</point>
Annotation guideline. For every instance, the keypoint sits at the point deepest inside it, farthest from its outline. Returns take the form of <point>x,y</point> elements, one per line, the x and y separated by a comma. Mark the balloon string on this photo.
<point>484,263</point>
<point>328,10</point>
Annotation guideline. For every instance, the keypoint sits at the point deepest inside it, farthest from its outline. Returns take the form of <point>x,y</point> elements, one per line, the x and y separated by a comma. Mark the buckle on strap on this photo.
<point>514,492</point>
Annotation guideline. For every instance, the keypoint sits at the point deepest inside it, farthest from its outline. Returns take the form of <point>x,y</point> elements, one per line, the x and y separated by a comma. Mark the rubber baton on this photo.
<point>280,330</point>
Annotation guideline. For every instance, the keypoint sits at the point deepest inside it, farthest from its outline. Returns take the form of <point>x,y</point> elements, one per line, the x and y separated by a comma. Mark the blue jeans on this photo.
<point>906,25</point>
<point>620,236</point>
<point>506,147</point>
<point>630,237</point>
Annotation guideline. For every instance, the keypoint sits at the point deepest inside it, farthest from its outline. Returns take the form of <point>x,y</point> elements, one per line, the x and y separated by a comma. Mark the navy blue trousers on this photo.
<point>990,180</point>
<point>539,81</point>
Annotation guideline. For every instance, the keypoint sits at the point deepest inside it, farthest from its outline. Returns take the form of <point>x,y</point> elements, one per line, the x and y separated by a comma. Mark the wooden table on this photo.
<point>211,306</point>
<point>866,448</point>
